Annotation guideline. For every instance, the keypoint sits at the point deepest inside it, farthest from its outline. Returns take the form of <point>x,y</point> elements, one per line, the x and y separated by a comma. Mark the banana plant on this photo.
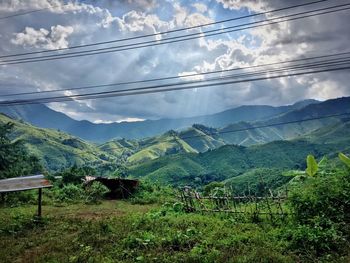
<point>344,159</point>
<point>312,165</point>
<point>312,168</point>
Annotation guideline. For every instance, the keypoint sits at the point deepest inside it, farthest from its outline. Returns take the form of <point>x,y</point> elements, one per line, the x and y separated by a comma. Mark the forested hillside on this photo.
<point>230,160</point>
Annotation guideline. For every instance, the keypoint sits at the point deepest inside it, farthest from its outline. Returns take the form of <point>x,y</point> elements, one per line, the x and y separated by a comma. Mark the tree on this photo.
<point>14,160</point>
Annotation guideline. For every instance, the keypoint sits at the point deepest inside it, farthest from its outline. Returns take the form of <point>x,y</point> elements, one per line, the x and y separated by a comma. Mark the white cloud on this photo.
<point>200,7</point>
<point>253,5</point>
<point>43,38</point>
<point>196,19</point>
<point>327,89</point>
<point>184,76</point>
<point>135,21</point>
<point>54,6</point>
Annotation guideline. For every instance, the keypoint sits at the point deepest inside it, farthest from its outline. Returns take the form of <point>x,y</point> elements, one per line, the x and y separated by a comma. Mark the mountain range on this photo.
<point>42,116</point>
<point>200,151</point>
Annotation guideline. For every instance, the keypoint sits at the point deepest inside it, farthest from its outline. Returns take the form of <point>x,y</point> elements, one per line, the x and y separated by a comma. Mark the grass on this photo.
<point>57,239</point>
<point>119,231</point>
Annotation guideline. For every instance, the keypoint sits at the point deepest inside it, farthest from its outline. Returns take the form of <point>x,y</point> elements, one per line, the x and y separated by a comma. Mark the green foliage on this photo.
<point>14,159</point>
<point>344,159</point>
<point>152,193</point>
<point>55,150</point>
<point>156,147</point>
<point>321,211</point>
<point>312,166</point>
<point>258,181</point>
<point>120,172</point>
<point>208,189</point>
<point>227,162</point>
<point>312,169</point>
<point>95,192</point>
<point>75,174</point>
<point>19,198</point>
<point>69,193</point>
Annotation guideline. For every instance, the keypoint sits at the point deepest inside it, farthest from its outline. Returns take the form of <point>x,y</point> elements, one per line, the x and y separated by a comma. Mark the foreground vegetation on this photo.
<point>152,227</point>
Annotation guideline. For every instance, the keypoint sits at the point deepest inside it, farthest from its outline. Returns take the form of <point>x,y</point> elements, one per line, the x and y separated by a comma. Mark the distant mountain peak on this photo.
<point>303,103</point>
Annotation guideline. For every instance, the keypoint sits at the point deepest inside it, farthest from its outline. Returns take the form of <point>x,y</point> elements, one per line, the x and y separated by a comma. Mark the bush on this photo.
<point>70,193</point>
<point>75,175</point>
<point>151,193</point>
<point>321,208</point>
<point>209,188</point>
<point>18,198</point>
<point>95,192</point>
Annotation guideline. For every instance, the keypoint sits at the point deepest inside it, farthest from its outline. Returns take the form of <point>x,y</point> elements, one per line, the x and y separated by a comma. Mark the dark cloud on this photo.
<point>105,20</point>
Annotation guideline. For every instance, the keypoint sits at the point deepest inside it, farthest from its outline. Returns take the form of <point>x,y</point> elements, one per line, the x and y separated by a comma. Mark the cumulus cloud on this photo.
<point>135,21</point>
<point>54,38</point>
<point>252,5</point>
<point>88,23</point>
<point>54,6</point>
<point>200,7</point>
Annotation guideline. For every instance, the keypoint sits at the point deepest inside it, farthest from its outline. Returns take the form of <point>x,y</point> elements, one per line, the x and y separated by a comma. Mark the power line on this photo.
<point>160,88</point>
<point>342,54</point>
<point>165,32</point>
<point>176,39</point>
<point>271,125</point>
<point>253,74</point>
<point>31,11</point>
<point>173,86</point>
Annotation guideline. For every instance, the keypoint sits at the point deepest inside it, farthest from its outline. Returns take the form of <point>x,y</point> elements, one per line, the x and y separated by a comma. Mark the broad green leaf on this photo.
<point>344,159</point>
<point>323,162</point>
<point>312,165</point>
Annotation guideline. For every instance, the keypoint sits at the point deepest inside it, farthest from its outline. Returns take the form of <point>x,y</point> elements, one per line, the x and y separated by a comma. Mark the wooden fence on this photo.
<point>269,206</point>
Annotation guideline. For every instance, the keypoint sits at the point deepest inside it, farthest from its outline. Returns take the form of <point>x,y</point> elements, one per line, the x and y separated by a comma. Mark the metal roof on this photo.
<point>24,183</point>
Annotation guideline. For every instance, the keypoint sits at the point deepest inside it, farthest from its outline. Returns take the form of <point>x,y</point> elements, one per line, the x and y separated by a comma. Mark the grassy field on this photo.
<point>119,231</point>
<point>71,233</point>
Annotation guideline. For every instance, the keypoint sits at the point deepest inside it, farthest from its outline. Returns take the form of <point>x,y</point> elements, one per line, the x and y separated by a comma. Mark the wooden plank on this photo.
<point>24,183</point>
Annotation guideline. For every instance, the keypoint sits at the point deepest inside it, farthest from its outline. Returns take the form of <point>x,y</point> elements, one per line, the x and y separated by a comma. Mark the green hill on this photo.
<point>230,161</point>
<point>119,148</point>
<point>166,144</point>
<point>55,149</point>
<point>201,138</point>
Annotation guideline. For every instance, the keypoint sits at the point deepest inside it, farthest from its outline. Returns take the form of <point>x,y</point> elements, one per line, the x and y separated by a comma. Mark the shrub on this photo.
<point>75,174</point>
<point>321,208</point>
<point>151,193</point>
<point>209,188</point>
<point>95,192</point>
<point>18,198</point>
<point>70,193</point>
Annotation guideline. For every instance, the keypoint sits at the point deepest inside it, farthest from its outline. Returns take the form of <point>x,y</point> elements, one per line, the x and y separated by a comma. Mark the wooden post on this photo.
<point>39,202</point>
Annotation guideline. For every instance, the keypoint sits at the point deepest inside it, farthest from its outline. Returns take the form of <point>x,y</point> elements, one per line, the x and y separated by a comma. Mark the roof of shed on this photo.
<point>24,183</point>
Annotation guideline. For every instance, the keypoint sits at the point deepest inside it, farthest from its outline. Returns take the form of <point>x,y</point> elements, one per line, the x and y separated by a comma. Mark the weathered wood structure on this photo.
<point>119,188</point>
<point>257,207</point>
<point>26,183</point>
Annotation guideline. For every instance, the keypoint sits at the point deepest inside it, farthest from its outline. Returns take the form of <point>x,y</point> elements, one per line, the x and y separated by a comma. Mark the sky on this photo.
<point>84,22</point>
